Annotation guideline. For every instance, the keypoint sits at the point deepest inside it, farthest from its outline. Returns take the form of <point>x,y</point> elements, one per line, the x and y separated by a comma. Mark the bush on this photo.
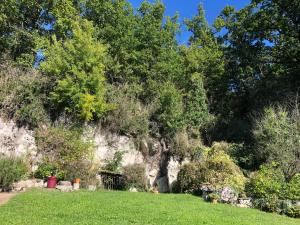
<point>180,145</point>
<point>114,164</point>
<point>135,177</point>
<point>63,148</point>
<point>277,135</point>
<point>23,95</point>
<point>187,144</point>
<point>221,169</point>
<point>273,204</point>
<point>46,170</point>
<point>130,115</point>
<point>11,170</point>
<point>269,204</point>
<point>190,178</point>
<point>216,168</point>
<point>293,188</point>
<point>294,211</point>
<point>267,182</point>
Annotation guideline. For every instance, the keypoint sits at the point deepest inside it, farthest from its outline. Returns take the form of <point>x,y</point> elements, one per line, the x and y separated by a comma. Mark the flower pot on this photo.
<point>51,182</point>
<point>77,180</point>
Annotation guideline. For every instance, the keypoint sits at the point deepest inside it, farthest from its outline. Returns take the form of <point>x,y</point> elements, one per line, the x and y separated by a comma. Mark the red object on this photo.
<point>51,182</point>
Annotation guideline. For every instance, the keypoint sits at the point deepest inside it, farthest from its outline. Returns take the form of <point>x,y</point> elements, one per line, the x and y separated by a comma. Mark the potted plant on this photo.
<point>50,173</point>
<point>213,197</point>
<point>76,180</point>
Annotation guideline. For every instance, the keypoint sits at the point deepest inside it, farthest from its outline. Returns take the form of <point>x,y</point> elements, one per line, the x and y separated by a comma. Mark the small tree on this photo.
<point>171,109</point>
<point>277,136</point>
<point>77,67</point>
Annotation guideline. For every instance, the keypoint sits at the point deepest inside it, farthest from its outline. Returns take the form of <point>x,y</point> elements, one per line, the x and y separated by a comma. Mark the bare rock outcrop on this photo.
<point>15,140</point>
<point>161,170</point>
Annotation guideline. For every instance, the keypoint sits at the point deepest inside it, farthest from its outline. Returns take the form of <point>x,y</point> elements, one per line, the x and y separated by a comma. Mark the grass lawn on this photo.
<point>36,207</point>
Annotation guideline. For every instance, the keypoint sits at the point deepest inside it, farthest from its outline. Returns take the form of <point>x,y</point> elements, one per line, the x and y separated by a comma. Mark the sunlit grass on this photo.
<point>122,208</point>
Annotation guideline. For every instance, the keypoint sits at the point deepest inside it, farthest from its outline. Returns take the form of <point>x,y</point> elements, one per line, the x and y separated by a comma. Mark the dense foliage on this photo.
<point>76,66</point>
<point>23,95</point>
<point>135,177</point>
<point>277,136</point>
<point>12,170</point>
<point>217,169</point>
<point>65,153</point>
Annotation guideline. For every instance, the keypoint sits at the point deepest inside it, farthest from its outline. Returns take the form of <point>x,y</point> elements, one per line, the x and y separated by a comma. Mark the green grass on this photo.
<point>122,208</point>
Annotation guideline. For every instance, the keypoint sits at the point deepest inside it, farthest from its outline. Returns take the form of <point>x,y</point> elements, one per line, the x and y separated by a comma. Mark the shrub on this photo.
<point>243,155</point>
<point>130,115</point>
<point>187,144</point>
<point>269,204</point>
<point>11,170</point>
<point>268,181</point>
<point>221,169</point>
<point>63,147</point>
<point>273,204</point>
<point>135,177</point>
<point>293,188</point>
<point>46,170</point>
<point>180,145</point>
<point>277,135</point>
<point>294,211</point>
<point>216,168</point>
<point>115,164</point>
<point>190,178</point>
<point>23,95</point>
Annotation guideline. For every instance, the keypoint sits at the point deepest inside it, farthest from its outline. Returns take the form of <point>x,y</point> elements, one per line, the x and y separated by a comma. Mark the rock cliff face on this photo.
<point>161,170</point>
<point>15,140</point>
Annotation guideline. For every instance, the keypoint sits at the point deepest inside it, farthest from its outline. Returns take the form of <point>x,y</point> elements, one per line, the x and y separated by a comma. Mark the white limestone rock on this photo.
<point>65,183</point>
<point>64,188</point>
<point>228,195</point>
<point>24,184</point>
<point>92,187</point>
<point>14,140</point>
<point>133,189</point>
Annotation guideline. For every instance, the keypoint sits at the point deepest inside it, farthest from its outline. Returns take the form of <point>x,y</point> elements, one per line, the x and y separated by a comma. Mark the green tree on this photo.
<point>277,135</point>
<point>20,25</point>
<point>115,24</point>
<point>23,95</point>
<point>261,48</point>
<point>205,57</point>
<point>77,67</point>
<point>171,109</point>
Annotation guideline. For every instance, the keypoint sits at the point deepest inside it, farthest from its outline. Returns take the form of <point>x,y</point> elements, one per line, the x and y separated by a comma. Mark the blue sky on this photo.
<point>188,8</point>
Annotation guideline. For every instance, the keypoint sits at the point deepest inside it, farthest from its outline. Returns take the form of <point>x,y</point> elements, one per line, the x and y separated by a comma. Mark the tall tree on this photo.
<point>204,68</point>
<point>115,24</point>
<point>20,26</point>
<point>262,52</point>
